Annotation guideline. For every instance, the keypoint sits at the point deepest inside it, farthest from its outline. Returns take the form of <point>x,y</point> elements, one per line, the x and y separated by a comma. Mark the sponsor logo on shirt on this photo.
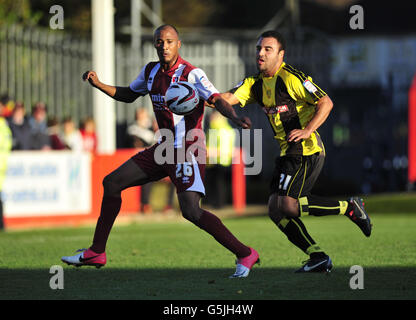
<point>205,82</point>
<point>309,86</point>
<point>158,102</point>
<point>158,98</point>
<point>276,109</point>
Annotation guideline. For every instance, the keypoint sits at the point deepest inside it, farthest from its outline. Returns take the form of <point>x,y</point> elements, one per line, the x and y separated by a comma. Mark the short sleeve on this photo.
<point>139,85</point>
<point>304,89</point>
<point>243,91</point>
<point>199,79</point>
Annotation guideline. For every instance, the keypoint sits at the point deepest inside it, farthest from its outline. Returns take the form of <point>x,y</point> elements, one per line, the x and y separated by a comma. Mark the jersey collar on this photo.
<point>280,68</point>
<point>175,66</point>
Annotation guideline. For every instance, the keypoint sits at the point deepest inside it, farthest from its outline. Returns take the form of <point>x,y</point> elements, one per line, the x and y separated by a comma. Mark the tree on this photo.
<point>18,11</point>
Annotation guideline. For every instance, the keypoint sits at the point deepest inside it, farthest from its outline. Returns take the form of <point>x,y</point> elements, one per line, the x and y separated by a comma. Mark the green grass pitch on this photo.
<point>176,260</point>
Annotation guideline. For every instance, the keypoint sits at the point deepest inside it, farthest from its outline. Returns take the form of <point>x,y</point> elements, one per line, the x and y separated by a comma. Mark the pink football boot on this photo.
<point>86,257</point>
<point>245,264</point>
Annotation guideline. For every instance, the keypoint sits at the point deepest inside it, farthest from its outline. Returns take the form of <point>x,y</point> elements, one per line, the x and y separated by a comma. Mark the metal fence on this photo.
<point>37,65</point>
<point>219,59</point>
<point>45,65</point>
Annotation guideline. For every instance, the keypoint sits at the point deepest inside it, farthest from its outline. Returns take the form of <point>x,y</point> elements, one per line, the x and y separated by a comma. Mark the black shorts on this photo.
<point>295,175</point>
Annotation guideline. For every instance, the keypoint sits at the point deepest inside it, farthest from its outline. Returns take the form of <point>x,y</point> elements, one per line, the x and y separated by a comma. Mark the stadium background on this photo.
<point>366,72</point>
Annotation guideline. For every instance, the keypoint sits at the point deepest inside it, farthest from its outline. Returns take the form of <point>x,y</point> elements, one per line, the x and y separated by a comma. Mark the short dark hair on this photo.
<point>39,106</point>
<point>275,34</point>
<point>4,99</point>
<point>164,26</point>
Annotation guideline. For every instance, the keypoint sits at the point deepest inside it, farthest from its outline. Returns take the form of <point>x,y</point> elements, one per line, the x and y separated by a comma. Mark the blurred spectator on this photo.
<point>72,137</point>
<point>6,106</point>
<point>20,128</point>
<point>141,135</point>
<point>220,149</point>
<point>88,134</point>
<point>5,147</point>
<point>56,141</point>
<point>141,132</point>
<point>38,123</point>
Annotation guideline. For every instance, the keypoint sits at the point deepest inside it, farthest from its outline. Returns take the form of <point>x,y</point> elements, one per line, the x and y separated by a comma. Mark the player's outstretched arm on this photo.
<point>226,109</point>
<point>323,109</point>
<point>230,98</point>
<point>123,94</point>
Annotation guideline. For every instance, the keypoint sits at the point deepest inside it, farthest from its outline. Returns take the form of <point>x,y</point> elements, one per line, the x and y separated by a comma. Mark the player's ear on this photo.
<point>281,54</point>
<point>179,43</point>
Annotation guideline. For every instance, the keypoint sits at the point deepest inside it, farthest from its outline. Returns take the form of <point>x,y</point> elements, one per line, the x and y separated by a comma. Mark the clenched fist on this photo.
<point>92,78</point>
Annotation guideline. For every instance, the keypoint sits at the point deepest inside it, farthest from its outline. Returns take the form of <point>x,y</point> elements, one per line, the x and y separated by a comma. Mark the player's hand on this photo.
<point>92,78</point>
<point>297,135</point>
<point>243,122</point>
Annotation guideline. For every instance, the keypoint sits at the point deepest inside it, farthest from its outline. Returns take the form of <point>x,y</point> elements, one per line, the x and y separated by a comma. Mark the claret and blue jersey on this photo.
<point>154,81</point>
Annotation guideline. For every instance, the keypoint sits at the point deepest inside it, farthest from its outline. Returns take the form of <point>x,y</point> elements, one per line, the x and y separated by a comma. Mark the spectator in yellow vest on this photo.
<point>5,147</point>
<point>220,140</point>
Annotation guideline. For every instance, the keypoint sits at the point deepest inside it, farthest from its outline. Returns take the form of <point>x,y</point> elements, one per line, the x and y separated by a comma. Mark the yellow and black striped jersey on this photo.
<point>288,99</point>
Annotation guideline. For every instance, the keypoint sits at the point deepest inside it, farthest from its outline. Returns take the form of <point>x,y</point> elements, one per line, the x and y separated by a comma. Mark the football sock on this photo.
<point>296,232</point>
<point>110,207</point>
<point>348,207</point>
<point>317,206</point>
<point>318,255</point>
<point>213,225</point>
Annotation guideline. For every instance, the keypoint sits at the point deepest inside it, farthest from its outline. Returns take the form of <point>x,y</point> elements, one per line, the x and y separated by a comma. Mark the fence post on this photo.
<point>238,182</point>
<point>412,134</point>
<point>104,65</point>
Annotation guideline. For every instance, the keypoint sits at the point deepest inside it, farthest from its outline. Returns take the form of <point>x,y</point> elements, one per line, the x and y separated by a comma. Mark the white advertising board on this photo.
<point>47,183</point>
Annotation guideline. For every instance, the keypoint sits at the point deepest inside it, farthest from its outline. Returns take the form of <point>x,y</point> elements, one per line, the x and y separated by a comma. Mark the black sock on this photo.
<point>349,208</point>
<point>318,206</point>
<point>318,255</point>
<point>296,232</point>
